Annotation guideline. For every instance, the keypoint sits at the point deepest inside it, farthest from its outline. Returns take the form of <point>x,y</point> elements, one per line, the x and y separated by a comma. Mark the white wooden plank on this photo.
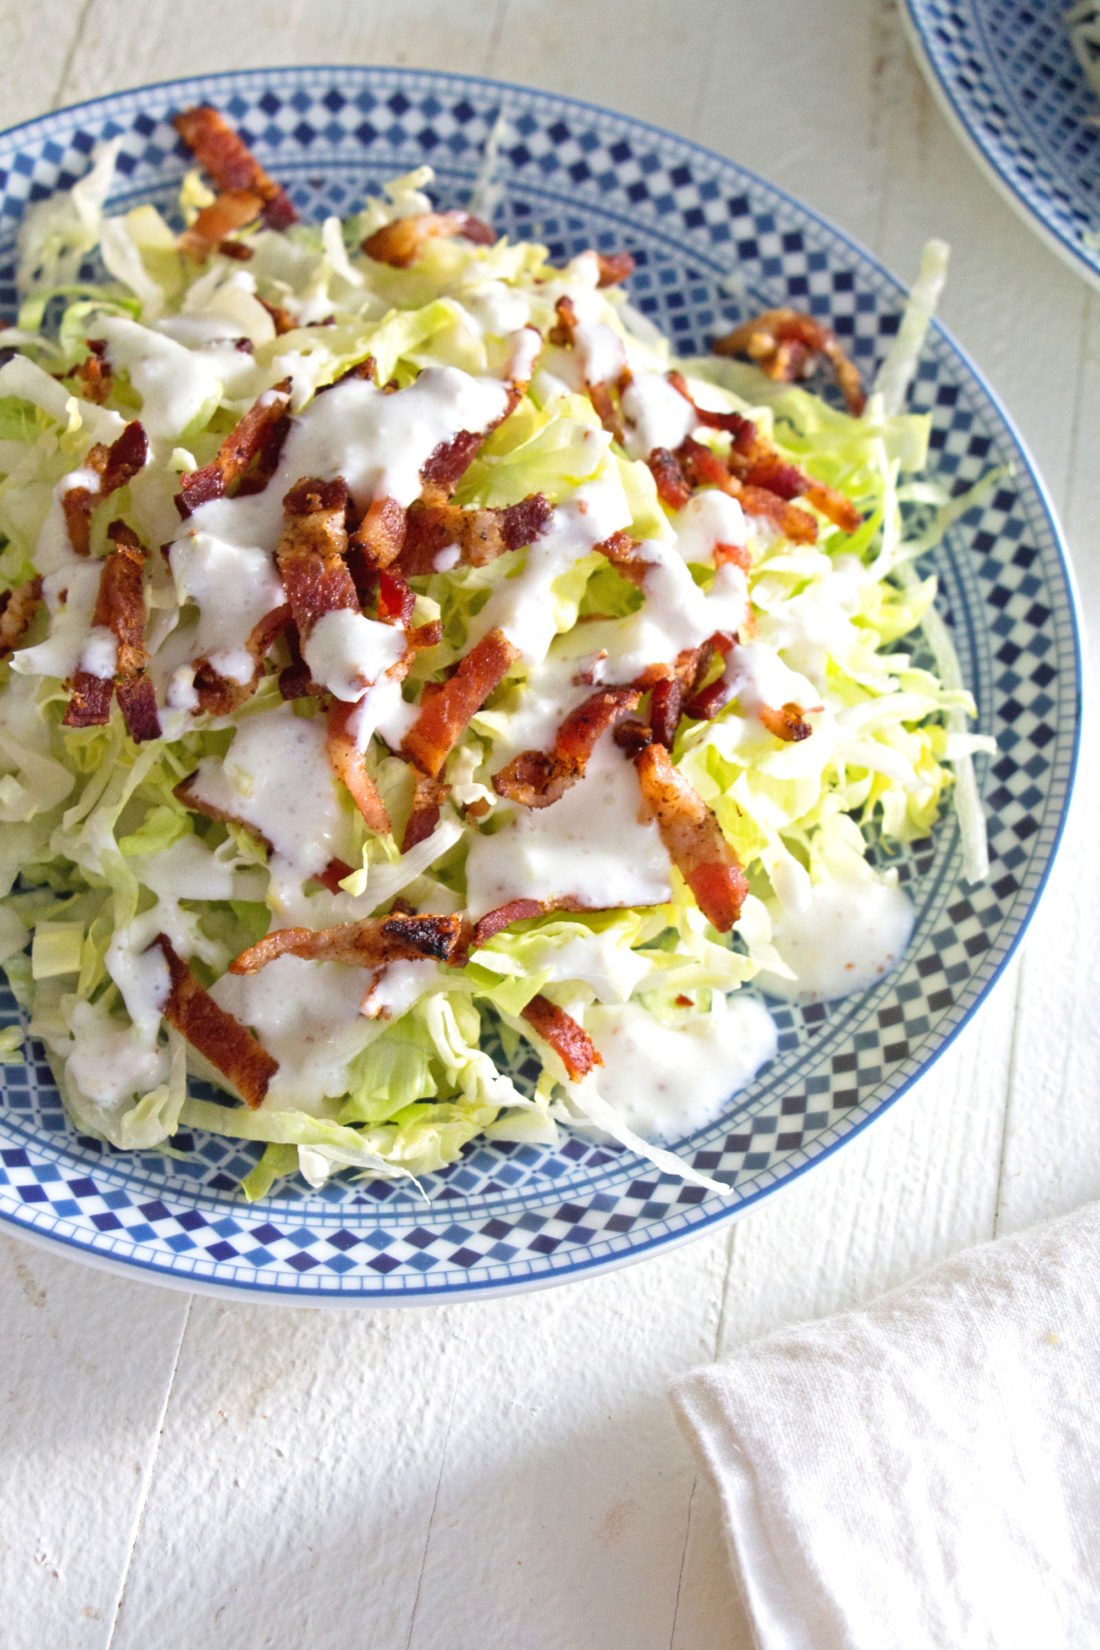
<point>86,1358</point>
<point>562,1505</point>
<point>39,39</point>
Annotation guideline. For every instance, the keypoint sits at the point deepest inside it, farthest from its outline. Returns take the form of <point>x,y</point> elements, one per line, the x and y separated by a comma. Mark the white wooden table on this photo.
<point>176,1473</point>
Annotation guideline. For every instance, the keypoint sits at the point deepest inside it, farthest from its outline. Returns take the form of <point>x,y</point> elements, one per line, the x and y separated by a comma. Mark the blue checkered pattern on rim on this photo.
<point>511,1217</point>
<point>1008,74</point>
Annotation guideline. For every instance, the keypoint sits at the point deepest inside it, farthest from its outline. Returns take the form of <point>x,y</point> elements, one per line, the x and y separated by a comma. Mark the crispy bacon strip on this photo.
<point>402,242</point>
<point>702,467</point>
<point>223,153</point>
<point>93,374</point>
<point>570,1042</point>
<point>564,333</point>
<point>786,723</point>
<point>444,717</point>
<point>254,434</point>
<point>380,537</point>
<point>429,796</point>
<point>614,267</point>
<point>17,608</point>
<point>536,778</point>
<point>693,838</point>
<point>667,472</point>
<point>758,464</point>
<point>665,703</point>
<point>349,764</point>
<point>366,944</point>
<point>445,466</point>
<point>787,344</point>
<point>120,608</point>
<point>480,535</point>
<point>227,212</point>
<point>310,554</point>
<point>115,466</point>
<point>229,1046</point>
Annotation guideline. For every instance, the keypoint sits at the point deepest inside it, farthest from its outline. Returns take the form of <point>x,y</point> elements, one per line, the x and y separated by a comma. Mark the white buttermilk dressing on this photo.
<point>175,383</point>
<point>708,519</point>
<point>590,845</point>
<point>276,777</point>
<point>110,1062</point>
<point>838,936</point>
<point>656,415</point>
<point>664,1081</point>
<point>307,1015</point>
<point>234,587</point>
<point>99,656</point>
<point>395,988</point>
<point>70,598</point>
<point>676,613</point>
<point>346,652</point>
<point>384,711</point>
<point>600,352</point>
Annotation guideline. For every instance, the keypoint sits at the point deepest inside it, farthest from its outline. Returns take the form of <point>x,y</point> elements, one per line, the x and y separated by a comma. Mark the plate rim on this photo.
<point>713,1212</point>
<point>996,172</point>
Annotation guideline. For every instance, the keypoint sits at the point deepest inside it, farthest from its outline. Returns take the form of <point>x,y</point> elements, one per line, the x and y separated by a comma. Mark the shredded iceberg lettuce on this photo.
<point>126,854</point>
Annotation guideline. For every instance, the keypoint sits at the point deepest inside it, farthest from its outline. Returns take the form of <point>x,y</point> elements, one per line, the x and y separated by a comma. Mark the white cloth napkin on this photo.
<point>923,1474</point>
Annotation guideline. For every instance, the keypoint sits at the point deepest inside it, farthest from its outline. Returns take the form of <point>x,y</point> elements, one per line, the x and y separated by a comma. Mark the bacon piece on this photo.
<point>120,608</point>
<point>564,334</point>
<point>17,608</point>
<point>622,551</point>
<point>401,243</point>
<point>446,464</point>
<point>247,442</point>
<point>217,694</point>
<point>614,267</point>
<point>665,703</point>
<point>333,875</point>
<point>380,537</point>
<point>228,1045</point>
<point>706,702</point>
<point>395,598</point>
<point>786,723</point>
<point>226,157</point>
<point>93,374</point>
<point>366,944</point>
<point>536,778</point>
<point>667,472</point>
<point>480,535</point>
<point>516,910</point>
<point>115,466</point>
<point>310,554</point>
<point>444,717</point>
<point>787,344</point>
<point>227,212</point>
<point>570,1042</point>
<point>349,764</point>
<point>693,838</point>
<point>702,467</point>
<point>429,796</point>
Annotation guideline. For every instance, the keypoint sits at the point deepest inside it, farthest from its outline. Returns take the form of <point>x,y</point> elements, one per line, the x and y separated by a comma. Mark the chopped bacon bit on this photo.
<point>706,702</point>
<point>733,423</point>
<point>349,764</point>
<point>672,486</point>
<point>570,1042</point>
<point>229,1046</point>
<point>232,165</point>
<point>401,242</point>
<point>115,466</point>
<point>333,875</point>
<point>424,636</point>
<point>735,554</point>
<point>447,464</point>
<point>564,331</point>
<point>310,555</point>
<point>665,702</point>
<point>443,719</point>
<point>786,723</point>
<point>236,250</point>
<point>251,438</point>
<point>17,608</point>
<point>93,374</point>
<point>606,411</point>
<point>227,212</point>
<point>395,599</point>
<point>517,910</point>
<point>622,551</point>
<point>564,334</point>
<point>120,608</point>
<point>217,694</point>
<point>366,370</point>
<point>787,344</point>
<point>429,796</point>
<point>633,735</point>
<point>693,838</point>
<point>614,267</point>
<point>366,944</point>
<point>282,320</point>
<point>380,536</point>
<point>480,535</point>
<point>702,467</point>
<point>536,778</point>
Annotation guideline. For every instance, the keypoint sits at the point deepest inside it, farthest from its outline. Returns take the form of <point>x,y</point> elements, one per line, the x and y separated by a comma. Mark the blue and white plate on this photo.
<point>1005,75</point>
<point>517,1217</point>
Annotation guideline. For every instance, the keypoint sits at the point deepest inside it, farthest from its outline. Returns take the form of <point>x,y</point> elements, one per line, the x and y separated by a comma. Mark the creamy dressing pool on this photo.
<point>838,937</point>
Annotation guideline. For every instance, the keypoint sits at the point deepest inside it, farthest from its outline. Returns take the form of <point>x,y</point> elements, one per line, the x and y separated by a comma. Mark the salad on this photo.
<point>425,703</point>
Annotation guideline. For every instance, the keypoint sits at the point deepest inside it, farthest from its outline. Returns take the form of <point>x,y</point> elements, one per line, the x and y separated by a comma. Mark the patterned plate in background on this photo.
<point>516,1217</point>
<point>1005,74</point>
